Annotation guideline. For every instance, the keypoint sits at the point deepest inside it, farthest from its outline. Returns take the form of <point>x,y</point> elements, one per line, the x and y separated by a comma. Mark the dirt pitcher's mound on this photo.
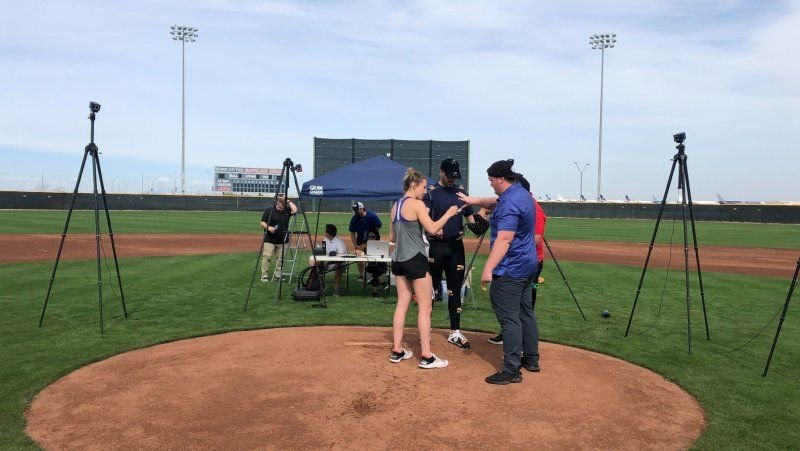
<point>334,387</point>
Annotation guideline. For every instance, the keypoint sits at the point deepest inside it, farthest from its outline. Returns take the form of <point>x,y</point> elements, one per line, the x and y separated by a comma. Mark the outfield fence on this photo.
<point>758,213</point>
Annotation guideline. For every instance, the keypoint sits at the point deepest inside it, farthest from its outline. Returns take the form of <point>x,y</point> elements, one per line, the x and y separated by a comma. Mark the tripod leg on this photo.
<point>285,184</point>
<point>652,240</point>
<point>469,267</point>
<point>696,249</point>
<point>682,186</point>
<point>783,316</point>
<point>553,256</point>
<point>307,233</point>
<point>255,268</point>
<point>63,236</point>
<point>111,235</point>
<point>97,238</point>
<point>261,245</point>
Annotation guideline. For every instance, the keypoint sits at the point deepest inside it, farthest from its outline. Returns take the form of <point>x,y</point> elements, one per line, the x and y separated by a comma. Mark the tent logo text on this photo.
<point>315,190</point>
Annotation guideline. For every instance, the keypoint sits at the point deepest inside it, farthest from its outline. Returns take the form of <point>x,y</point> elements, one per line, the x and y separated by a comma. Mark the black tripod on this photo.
<point>97,174</point>
<point>469,268</point>
<point>783,316</point>
<point>678,160</point>
<point>553,256</point>
<point>283,186</point>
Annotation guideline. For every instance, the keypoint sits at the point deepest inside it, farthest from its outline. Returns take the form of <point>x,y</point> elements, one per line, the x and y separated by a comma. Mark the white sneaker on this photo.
<point>458,339</point>
<point>398,357</point>
<point>265,278</point>
<point>432,362</point>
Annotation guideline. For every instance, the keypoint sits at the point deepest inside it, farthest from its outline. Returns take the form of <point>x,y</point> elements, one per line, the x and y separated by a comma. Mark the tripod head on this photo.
<point>292,167</point>
<point>680,138</point>
<point>94,107</point>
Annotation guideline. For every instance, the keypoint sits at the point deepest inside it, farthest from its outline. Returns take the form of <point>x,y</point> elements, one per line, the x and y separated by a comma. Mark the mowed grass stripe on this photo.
<point>778,236</point>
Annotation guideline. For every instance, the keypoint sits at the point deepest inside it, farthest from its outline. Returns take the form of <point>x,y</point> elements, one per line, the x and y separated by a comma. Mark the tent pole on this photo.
<point>316,227</point>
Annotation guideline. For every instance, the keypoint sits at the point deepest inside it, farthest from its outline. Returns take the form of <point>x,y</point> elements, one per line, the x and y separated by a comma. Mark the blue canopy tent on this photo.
<point>377,178</point>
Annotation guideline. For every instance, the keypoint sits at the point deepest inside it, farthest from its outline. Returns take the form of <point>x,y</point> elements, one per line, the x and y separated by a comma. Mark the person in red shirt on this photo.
<point>538,239</point>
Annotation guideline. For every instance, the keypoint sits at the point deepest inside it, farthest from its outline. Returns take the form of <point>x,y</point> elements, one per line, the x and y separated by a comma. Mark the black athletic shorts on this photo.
<point>414,268</point>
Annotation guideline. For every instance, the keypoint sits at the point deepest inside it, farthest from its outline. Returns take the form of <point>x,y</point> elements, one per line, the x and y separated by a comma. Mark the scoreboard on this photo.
<point>232,179</point>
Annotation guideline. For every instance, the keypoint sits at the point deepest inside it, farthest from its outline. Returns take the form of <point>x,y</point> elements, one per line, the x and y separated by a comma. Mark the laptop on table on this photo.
<point>377,248</point>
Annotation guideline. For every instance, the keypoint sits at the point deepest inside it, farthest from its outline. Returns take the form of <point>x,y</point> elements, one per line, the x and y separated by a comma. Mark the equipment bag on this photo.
<point>308,288</point>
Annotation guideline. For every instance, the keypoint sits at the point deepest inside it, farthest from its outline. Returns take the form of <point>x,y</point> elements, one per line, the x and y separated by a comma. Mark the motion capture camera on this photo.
<point>94,107</point>
<point>679,137</point>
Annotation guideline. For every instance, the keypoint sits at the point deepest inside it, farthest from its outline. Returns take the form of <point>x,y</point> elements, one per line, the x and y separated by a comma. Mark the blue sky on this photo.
<point>516,78</point>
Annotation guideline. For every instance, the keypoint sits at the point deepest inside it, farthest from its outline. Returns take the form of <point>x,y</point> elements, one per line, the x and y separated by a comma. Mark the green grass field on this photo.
<point>780,236</point>
<point>170,298</point>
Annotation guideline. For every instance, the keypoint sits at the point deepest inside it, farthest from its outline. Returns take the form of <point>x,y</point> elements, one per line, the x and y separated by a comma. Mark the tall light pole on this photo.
<point>183,34</point>
<point>581,171</point>
<point>602,42</point>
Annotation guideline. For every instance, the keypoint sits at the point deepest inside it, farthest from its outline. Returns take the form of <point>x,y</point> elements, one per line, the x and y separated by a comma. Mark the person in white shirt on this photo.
<point>333,246</point>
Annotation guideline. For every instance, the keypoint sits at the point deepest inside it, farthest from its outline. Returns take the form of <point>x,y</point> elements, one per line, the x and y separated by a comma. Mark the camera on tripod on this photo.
<point>294,167</point>
<point>94,107</point>
<point>679,137</point>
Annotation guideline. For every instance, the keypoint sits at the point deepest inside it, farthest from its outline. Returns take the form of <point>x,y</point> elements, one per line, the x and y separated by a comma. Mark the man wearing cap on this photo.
<point>275,222</point>
<point>361,224</point>
<point>538,241</point>
<point>510,270</point>
<point>447,248</point>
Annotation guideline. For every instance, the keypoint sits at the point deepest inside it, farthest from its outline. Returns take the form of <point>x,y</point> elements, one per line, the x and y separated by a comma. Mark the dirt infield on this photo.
<point>334,387</point>
<point>736,260</point>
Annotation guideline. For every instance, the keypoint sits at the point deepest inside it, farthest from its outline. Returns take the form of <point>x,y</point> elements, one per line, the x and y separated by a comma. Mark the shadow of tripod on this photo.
<point>679,161</point>
<point>97,174</point>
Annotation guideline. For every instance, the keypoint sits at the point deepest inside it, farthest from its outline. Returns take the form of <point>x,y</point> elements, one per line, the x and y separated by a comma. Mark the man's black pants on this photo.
<point>448,257</point>
<point>511,301</point>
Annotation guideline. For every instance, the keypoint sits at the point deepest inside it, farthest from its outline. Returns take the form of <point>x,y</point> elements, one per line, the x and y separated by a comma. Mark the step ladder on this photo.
<point>297,241</point>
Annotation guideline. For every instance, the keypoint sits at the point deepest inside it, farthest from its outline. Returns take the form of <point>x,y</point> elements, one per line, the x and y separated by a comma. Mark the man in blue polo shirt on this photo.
<point>510,268</point>
<point>361,224</point>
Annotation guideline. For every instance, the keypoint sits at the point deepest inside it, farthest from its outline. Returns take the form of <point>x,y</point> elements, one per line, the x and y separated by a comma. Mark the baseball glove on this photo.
<point>480,226</point>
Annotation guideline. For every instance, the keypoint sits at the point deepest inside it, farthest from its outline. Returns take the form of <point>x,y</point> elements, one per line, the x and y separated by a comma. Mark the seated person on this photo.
<point>375,270</point>
<point>333,246</point>
<point>362,222</point>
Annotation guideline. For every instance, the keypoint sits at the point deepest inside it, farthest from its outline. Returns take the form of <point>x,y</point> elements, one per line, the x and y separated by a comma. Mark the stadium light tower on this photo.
<point>601,42</point>
<point>183,34</point>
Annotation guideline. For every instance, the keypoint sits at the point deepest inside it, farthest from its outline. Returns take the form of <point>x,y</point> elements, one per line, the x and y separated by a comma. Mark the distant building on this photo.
<point>229,179</point>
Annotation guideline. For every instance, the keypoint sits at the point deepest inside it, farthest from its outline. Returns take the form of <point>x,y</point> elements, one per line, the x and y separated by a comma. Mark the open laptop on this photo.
<point>377,248</point>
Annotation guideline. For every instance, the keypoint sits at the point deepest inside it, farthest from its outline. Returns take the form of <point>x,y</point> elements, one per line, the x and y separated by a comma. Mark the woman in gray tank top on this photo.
<point>410,266</point>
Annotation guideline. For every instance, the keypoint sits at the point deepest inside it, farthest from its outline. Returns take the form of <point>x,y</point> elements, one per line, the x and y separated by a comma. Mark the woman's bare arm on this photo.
<point>431,226</point>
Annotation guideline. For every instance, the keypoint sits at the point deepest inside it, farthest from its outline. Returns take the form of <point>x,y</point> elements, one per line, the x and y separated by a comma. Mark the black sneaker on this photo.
<point>502,378</point>
<point>533,367</point>
<point>498,340</point>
